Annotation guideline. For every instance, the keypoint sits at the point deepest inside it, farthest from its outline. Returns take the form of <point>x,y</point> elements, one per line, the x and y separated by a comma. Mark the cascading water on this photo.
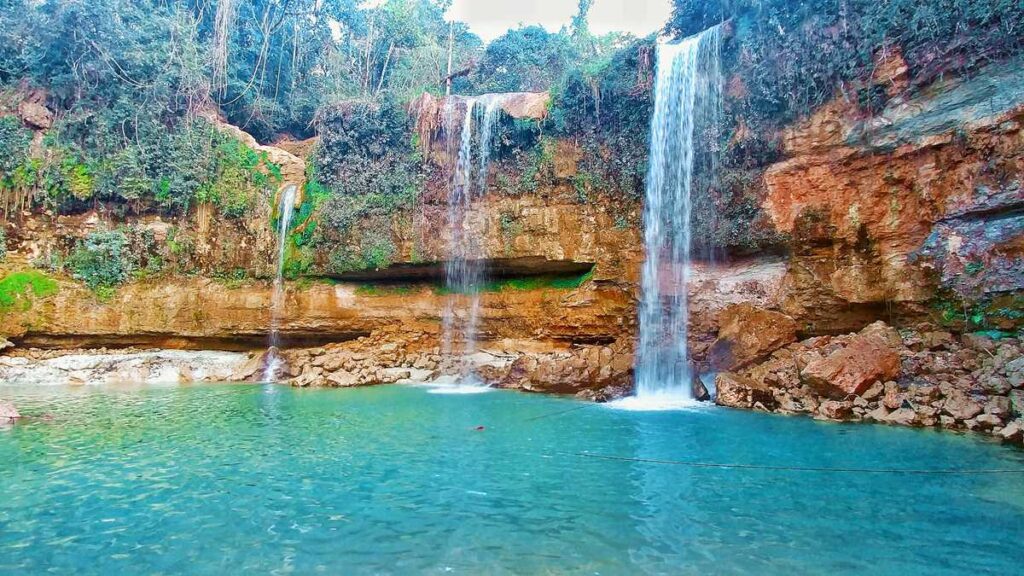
<point>285,210</point>
<point>464,267</point>
<point>686,108</point>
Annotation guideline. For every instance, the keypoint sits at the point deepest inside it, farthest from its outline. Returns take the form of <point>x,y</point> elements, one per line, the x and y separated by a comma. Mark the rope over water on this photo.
<point>936,471</point>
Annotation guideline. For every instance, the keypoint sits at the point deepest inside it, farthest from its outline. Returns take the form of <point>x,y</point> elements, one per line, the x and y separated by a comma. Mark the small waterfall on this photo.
<point>464,273</point>
<point>285,210</point>
<point>686,108</point>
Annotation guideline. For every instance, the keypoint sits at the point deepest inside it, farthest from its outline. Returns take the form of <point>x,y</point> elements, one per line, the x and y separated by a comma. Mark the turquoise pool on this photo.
<point>227,479</point>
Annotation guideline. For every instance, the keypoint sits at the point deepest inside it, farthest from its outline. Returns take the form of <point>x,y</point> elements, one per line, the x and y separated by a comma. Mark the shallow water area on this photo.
<point>214,479</point>
<point>455,385</point>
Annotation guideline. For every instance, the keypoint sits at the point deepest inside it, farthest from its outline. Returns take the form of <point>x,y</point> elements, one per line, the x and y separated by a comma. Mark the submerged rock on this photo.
<point>8,413</point>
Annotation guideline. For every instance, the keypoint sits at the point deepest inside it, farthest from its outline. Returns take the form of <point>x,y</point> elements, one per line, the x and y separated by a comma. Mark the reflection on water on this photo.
<point>230,479</point>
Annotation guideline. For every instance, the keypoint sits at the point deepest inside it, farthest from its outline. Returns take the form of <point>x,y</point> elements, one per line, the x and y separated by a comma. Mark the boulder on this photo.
<point>699,390</point>
<point>999,406</point>
<point>835,409</point>
<point>35,114</point>
<point>901,417</point>
<point>8,413</point>
<point>1017,402</point>
<point>853,369</point>
<point>883,332</point>
<point>960,406</point>
<point>1013,432</point>
<point>747,334</point>
<point>978,341</point>
<point>737,391</point>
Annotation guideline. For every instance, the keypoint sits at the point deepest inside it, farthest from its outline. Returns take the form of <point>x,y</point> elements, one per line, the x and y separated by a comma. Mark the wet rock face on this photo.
<point>921,377</point>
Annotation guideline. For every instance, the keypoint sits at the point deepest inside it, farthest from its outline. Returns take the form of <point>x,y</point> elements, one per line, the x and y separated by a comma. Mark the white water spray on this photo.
<point>285,210</point>
<point>686,106</point>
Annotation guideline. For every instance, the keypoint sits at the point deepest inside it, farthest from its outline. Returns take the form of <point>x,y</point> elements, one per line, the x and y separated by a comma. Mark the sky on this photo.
<point>492,18</point>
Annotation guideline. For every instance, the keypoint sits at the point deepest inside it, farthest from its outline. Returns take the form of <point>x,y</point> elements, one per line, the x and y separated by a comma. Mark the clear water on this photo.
<point>393,480</point>
<point>687,101</point>
<point>285,211</point>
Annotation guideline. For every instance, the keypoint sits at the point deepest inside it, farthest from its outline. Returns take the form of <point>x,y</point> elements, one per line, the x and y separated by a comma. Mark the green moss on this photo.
<point>528,283</point>
<point>18,289</point>
<point>384,289</point>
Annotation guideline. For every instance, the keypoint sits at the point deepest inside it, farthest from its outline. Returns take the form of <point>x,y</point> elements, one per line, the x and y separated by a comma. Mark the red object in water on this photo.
<point>478,428</point>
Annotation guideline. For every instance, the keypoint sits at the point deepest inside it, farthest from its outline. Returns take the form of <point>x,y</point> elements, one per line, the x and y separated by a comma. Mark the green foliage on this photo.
<point>14,145</point>
<point>528,58</point>
<point>366,167</point>
<point>605,106</point>
<point>792,56</point>
<point>102,259</point>
<point>375,252</point>
<point>17,289</point>
<point>528,283</point>
<point>384,289</point>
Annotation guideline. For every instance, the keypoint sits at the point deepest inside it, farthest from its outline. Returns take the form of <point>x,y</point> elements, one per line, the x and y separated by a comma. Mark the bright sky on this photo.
<point>491,18</point>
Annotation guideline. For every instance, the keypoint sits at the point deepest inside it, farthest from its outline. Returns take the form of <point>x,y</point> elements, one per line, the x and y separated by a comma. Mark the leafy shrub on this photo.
<point>102,260</point>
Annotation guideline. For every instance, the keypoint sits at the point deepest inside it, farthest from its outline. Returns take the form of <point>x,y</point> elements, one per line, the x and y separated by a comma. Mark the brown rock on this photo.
<point>901,417</point>
<point>852,370</point>
<point>738,391</point>
<point>960,406</point>
<point>1013,432</point>
<point>883,332</point>
<point>835,409</point>
<point>978,342</point>
<point>999,406</point>
<point>748,333</point>
<point>988,421</point>
<point>35,114</point>
<point>893,398</point>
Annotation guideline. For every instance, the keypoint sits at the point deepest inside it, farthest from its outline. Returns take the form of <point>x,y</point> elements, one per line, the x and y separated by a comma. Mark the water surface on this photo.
<point>394,480</point>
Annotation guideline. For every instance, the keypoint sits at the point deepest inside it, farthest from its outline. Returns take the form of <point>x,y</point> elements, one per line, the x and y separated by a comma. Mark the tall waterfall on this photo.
<point>285,210</point>
<point>464,271</point>
<point>686,108</point>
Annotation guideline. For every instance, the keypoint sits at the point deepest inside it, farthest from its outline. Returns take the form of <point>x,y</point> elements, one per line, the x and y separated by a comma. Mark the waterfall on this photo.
<point>285,210</point>
<point>687,103</point>
<point>464,272</point>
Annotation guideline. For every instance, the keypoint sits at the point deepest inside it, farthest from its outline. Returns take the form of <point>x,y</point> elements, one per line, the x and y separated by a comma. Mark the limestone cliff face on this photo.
<point>889,214</point>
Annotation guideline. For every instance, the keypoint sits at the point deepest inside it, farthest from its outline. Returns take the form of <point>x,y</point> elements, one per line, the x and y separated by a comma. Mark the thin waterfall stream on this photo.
<point>286,208</point>
<point>687,104</point>
<point>464,267</point>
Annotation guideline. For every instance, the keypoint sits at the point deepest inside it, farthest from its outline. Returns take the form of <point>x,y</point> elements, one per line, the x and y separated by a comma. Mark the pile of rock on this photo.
<point>390,355</point>
<point>923,377</point>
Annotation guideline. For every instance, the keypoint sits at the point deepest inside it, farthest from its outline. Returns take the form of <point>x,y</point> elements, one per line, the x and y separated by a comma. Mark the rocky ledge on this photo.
<point>129,365</point>
<point>390,355</point>
<point>914,377</point>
